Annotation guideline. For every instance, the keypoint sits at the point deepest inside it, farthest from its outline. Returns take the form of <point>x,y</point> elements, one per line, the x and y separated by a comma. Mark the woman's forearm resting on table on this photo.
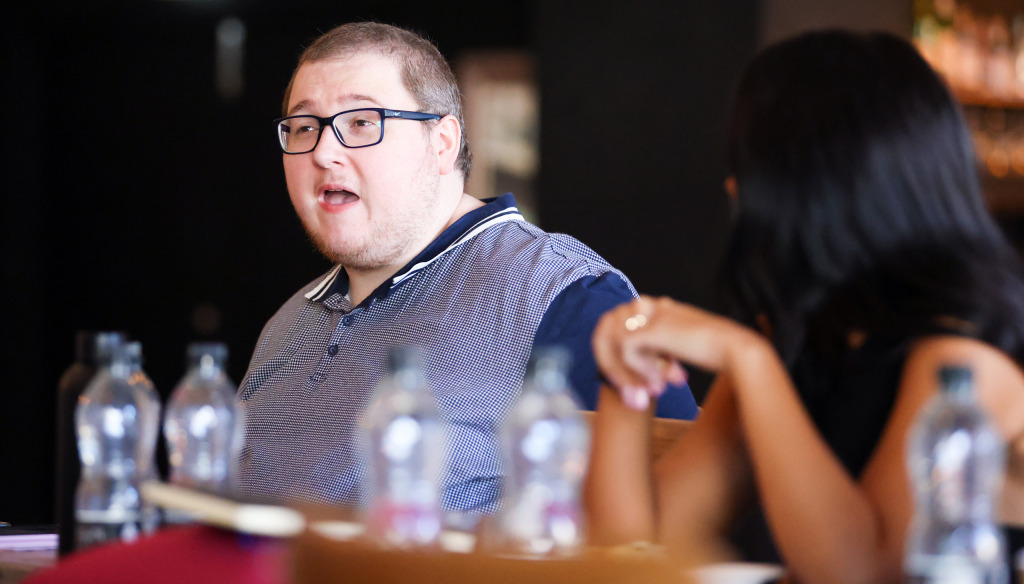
<point>617,492</point>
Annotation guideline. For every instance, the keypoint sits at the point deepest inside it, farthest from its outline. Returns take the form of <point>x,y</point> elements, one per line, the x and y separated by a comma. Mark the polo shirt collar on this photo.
<point>495,210</point>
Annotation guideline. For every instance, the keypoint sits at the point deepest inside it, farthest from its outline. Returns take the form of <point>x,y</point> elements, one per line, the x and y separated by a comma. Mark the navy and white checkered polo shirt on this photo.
<point>477,299</point>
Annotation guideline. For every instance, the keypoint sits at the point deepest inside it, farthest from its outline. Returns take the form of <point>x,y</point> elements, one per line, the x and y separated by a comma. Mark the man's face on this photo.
<point>365,208</point>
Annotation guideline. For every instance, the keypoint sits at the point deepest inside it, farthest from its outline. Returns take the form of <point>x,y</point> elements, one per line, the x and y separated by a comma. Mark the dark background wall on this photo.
<point>135,198</point>
<point>634,106</point>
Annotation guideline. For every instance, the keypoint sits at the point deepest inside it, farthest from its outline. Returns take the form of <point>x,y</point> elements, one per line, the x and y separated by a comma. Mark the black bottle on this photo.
<point>88,345</point>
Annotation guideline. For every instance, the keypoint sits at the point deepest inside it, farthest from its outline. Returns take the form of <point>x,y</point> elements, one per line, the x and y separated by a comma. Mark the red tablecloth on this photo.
<point>178,555</point>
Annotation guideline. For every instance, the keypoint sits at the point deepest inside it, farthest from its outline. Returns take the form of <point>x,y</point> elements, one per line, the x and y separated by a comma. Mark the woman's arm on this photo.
<point>827,526</point>
<point>703,478</point>
<point>617,492</point>
<point>689,499</point>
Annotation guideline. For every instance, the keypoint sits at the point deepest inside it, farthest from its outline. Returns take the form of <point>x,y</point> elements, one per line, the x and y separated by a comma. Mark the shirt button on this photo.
<point>346,321</point>
<point>333,349</point>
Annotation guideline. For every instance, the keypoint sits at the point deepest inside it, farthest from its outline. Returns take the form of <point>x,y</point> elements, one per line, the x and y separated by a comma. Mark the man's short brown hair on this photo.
<point>425,72</point>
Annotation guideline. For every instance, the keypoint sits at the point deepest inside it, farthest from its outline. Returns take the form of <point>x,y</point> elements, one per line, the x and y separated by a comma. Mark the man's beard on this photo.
<point>389,239</point>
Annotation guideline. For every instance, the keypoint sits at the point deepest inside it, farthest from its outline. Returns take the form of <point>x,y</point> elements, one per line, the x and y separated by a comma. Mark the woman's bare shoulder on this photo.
<point>999,380</point>
<point>939,350</point>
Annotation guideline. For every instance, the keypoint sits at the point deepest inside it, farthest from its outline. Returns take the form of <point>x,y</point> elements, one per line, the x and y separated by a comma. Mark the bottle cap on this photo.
<point>218,351</point>
<point>134,351</point>
<point>121,360</point>
<point>103,345</point>
<point>406,357</point>
<point>956,379</point>
<point>549,367</point>
<point>550,357</point>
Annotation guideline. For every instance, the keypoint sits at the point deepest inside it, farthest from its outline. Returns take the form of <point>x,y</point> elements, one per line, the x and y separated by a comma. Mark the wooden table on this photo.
<point>15,565</point>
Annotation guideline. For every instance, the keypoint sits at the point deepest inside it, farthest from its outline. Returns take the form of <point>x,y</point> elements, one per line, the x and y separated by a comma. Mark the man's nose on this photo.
<point>329,151</point>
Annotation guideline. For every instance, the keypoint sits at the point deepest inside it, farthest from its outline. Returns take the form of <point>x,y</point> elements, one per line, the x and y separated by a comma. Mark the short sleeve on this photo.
<point>570,320</point>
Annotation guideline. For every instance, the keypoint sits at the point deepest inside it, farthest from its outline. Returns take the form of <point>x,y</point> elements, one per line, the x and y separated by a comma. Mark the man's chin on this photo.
<point>333,251</point>
<point>354,258</point>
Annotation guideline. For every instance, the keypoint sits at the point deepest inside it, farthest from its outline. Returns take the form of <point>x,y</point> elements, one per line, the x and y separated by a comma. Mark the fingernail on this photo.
<point>629,396</point>
<point>640,399</point>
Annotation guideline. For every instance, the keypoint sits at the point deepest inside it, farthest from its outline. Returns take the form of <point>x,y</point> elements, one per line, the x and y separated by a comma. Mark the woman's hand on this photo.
<point>639,345</point>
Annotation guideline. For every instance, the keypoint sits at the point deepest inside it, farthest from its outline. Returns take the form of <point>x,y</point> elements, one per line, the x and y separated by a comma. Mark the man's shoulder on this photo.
<point>527,244</point>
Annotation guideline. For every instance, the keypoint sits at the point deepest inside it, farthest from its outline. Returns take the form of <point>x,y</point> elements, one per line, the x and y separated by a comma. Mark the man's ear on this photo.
<point>448,139</point>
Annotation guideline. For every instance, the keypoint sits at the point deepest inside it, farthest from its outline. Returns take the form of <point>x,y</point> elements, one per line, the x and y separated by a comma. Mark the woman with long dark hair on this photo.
<point>862,260</point>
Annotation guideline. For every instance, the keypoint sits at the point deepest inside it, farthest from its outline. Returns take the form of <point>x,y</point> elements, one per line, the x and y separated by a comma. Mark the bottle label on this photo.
<point>404,525</point>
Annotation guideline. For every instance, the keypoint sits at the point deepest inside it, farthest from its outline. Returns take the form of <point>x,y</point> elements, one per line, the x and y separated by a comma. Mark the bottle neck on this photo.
<point>959,394</point>
<point>102,348</point>
<point>409,378</point>
<point>207,366</point>
<point>207,359</point>
<point>120,367</point>
<point>548,380</point>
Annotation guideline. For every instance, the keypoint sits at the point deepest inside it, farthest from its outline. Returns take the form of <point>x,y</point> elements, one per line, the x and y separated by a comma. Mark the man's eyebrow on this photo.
<point>299,107</point>
<point>306,104</point>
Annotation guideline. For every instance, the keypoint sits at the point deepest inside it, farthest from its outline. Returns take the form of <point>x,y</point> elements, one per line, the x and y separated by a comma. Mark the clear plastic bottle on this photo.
<point>107,504</point>
<point>406,443</point>
<point>90,348</point>
<point>149,430</point>
<point>203,423</point>
<point>546,444</point>
<point>955,461</point>
<point>149,412</point>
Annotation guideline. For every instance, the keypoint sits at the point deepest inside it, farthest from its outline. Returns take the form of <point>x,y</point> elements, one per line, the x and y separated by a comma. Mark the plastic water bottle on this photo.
<point>149,412</point>
<point>406,443</point>
<point>546,444</point>
<point>955,461</point>
<point>107,505</point>
<point>149,430</point>
<point>203,425</point>
<point>90,348</point>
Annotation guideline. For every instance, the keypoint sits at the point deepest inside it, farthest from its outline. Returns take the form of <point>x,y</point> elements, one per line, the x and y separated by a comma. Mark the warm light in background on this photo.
<point>981,56</point>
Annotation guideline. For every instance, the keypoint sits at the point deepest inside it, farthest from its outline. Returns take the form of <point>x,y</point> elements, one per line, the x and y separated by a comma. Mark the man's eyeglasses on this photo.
<point>356,128</point>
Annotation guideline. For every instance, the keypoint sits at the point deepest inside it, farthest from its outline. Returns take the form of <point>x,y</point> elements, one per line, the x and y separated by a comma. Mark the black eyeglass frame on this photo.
<point>329,121</point>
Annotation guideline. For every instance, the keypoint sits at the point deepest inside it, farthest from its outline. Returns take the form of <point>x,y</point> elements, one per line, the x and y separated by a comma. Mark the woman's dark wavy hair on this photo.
<point>859,207</point>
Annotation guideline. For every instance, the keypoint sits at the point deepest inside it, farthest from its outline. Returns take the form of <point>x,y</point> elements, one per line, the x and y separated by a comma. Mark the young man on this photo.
<point>375,159</point>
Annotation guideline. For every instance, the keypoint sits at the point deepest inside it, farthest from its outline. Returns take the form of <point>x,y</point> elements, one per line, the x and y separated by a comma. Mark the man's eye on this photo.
<point>306,129</point>
<point>362,123</point>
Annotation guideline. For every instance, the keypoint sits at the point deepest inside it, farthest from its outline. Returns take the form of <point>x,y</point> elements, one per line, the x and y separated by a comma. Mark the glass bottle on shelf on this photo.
<point>999,60</point>
<point>966,62</point>
<point>926,31</point>
<point>948,38</point>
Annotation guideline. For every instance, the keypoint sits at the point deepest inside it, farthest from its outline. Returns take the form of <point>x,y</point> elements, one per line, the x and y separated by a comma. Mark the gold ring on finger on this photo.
<point>636,322</point>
